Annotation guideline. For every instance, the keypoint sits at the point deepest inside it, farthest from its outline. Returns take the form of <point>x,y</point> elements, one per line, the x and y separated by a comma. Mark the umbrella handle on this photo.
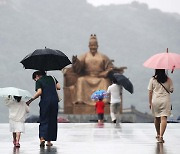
<point>173,69</point>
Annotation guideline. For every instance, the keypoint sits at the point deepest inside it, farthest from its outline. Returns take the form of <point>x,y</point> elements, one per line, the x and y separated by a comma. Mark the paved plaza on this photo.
<point>88,138</point>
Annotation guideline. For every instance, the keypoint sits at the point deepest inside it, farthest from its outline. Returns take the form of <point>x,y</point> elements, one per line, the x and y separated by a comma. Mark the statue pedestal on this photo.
<point>70,108</point>
<point>88,109</point>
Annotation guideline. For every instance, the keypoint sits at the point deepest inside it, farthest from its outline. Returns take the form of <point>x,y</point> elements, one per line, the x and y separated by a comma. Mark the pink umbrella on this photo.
<point>166,60</point>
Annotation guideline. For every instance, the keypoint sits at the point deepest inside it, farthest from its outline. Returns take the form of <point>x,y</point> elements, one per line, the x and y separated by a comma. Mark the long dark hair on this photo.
<point>114,80</point>
<point>160,75</point>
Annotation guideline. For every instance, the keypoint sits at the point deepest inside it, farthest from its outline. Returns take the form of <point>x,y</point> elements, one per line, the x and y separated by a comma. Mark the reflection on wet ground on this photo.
<point>89,138</point>
<point>49,150</point>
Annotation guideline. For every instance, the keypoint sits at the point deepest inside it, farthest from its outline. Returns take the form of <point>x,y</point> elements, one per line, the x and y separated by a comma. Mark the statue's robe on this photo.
<point>93,72</point>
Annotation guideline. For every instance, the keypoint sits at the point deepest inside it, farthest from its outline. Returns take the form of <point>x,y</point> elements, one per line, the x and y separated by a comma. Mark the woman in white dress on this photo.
<point>160,86</point>
<point>17,112</point>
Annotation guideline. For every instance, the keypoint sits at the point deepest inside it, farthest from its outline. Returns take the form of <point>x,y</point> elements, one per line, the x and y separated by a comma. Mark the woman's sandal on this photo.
<point>161,140</point>
<point>157,137</point>
<point>42,143</point>
<point>17,144</point>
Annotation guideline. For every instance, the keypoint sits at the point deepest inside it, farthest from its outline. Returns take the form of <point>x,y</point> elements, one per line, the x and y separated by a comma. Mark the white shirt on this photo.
<point>114,91</point>
<point>17,110</point>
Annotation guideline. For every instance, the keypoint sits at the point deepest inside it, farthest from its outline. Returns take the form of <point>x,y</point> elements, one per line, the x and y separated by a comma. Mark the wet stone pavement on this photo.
<point>89,138</point>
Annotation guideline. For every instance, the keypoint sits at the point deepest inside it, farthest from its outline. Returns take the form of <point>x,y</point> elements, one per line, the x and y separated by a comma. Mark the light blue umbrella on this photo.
<point>5,92</point>
<point>99,94</point>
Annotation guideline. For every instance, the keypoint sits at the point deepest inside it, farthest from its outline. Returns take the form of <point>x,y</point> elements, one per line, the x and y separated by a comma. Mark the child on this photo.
<point>17,112</point>
<point>100,110</point>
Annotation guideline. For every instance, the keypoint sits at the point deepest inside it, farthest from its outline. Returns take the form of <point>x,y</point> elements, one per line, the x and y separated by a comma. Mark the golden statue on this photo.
<point>88,73</point>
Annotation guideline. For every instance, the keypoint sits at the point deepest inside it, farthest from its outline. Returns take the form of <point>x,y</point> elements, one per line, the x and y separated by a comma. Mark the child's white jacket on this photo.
<point>17,110</point>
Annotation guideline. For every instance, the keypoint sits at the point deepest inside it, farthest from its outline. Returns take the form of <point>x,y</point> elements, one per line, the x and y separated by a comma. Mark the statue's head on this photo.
<point>93,44</point>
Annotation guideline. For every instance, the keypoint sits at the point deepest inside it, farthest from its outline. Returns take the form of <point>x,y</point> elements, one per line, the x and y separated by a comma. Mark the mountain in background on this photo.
<point>129,34</point>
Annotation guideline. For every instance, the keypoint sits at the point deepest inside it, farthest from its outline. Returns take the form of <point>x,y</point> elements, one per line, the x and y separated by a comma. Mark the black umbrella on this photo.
<point>46,60</point>
<point>124,81</point>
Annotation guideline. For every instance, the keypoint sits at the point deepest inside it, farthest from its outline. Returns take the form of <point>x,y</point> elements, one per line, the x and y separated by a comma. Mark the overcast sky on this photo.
<point>163,5</point>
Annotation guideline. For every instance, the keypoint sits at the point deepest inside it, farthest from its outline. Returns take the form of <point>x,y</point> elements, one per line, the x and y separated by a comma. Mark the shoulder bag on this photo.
<point>165,89</point>
<point>59,98</point>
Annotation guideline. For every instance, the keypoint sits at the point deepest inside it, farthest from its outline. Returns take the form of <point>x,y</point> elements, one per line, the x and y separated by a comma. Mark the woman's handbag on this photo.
<point>166,90</point>
<point>59,98</point>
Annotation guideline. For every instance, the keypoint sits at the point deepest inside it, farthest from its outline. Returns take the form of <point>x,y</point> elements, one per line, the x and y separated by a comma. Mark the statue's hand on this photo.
<point>110,69</point>
<point>105,73</point>
<point>74,59</point>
